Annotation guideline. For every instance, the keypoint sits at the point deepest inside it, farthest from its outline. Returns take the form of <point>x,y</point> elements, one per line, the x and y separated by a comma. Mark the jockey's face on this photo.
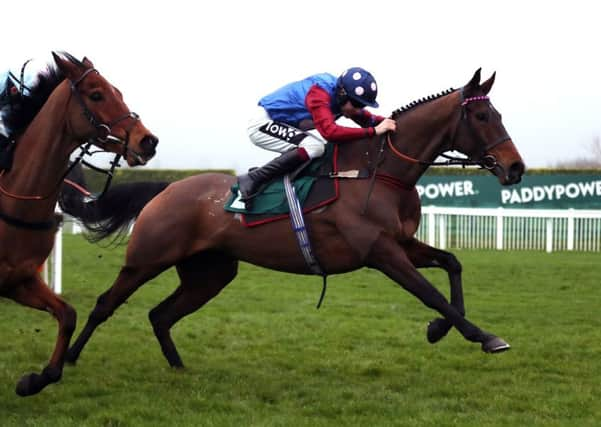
<point>349,110</point>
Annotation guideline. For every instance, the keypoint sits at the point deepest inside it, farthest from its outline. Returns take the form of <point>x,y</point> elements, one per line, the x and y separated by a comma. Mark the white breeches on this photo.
<point>280,137</point>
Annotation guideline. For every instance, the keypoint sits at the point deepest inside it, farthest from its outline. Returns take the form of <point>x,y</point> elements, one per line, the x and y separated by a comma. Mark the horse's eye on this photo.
<point>483,117</point>
<point>96,96</point>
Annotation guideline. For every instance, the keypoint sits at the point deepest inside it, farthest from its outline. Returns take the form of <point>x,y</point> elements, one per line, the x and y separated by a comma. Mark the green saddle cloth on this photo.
<point>272,200</point>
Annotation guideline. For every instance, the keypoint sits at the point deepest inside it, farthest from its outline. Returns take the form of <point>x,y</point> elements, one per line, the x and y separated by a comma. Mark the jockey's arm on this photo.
<point>318,103</point>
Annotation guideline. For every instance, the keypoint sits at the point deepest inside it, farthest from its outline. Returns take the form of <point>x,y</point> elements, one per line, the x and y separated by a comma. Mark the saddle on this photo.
<point>315,186</point>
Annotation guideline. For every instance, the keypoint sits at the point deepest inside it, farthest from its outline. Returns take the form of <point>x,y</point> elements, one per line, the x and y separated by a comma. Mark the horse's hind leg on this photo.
<point>425,256</point>
<point>202,277</point>
<point>128,281</point>
<point>35,293</point>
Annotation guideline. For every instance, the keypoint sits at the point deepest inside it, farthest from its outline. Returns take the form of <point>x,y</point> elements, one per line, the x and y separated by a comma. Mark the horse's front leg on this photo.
<point>35,293</point>
<point>425,256</point>
<point>390,258</point>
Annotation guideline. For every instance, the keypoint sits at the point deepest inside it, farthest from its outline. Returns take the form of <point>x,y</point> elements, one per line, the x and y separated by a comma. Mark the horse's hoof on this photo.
<point>29,385</point>
<point>437,329</point>
<point>34,383</point>
<point>495,345</point>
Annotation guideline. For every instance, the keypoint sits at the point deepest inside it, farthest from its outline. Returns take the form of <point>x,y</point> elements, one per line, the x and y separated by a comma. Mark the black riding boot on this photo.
<point>250,183</point>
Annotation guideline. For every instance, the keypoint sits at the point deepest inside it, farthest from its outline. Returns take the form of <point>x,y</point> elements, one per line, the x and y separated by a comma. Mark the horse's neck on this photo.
<point>41,157</point>
<point>421,134</point>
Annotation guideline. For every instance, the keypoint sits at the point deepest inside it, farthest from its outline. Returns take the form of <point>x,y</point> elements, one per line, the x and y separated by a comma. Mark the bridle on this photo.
<point>103,130</point>
<point>103,135</point>
<point>486,161</point>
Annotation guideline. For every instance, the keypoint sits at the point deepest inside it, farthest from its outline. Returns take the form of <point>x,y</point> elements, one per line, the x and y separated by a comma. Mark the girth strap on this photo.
<point>298,226</point>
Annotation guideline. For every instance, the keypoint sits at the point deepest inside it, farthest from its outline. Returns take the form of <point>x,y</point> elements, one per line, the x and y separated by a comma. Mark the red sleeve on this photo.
<point>318,103</point>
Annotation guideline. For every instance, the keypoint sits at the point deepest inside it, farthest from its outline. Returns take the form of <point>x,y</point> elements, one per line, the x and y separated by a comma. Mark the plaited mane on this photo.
<point>421,101</point>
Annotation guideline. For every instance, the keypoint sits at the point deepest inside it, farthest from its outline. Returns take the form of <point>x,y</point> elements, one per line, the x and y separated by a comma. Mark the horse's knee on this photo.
<point>452,264</point>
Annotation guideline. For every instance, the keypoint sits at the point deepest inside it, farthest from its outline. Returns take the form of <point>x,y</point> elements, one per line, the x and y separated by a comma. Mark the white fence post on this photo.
<point>57,262</point>
<point>549,233</point>
<point>431,229</point>
<point>500,228</point>
<point>570,242</point>
<point>442,229</point>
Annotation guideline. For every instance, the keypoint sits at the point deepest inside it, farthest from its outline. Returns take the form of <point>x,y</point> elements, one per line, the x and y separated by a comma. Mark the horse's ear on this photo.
<point>85,61</point>
<point>488,83</point>
<point>69,69</point>
<point>475,81</point>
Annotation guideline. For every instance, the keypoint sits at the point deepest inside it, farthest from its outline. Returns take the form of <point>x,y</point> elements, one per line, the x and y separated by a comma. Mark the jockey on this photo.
<point>313,105</point>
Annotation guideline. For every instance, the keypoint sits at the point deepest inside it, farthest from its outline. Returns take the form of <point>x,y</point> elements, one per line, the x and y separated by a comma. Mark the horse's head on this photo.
<point>482,136</point>
<point>97,113</point>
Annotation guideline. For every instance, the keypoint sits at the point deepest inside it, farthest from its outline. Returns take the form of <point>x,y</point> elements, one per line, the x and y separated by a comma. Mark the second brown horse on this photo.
<point>70,104</point>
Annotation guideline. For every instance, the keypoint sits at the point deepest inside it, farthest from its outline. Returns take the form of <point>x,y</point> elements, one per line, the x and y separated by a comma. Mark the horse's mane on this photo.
<point>19,104</point>
<point>421,101</point>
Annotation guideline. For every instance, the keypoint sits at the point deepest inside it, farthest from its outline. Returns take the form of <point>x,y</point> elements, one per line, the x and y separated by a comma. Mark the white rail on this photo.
<point>511,229</point>
<point>467,228</point>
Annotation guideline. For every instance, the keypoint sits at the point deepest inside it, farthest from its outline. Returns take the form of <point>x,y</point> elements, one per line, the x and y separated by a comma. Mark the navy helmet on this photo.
<point>360,86</point>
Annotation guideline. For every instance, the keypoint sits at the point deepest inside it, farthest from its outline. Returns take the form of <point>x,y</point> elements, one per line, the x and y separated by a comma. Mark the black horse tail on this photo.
<point>113,212</point>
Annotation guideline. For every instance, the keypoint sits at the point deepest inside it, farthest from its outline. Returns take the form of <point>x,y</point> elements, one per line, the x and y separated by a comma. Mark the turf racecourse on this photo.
<point>261,355</point>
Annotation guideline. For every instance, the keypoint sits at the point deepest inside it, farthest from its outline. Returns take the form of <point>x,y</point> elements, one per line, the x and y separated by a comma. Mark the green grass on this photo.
<point>260,354</point>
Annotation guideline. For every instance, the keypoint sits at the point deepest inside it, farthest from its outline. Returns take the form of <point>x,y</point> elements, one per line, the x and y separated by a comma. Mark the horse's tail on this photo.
<point>113,212</point>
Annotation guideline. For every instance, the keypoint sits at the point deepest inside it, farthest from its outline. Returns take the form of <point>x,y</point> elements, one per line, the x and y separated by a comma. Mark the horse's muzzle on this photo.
<point>514,173</point>
<point>149,144</point>
<point>146,150</point>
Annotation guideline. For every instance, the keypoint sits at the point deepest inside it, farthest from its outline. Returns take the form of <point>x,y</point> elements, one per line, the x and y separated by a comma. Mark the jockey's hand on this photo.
<point>385,126</point>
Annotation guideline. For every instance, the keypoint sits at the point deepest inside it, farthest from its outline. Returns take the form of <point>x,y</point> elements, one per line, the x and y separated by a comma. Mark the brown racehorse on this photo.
<point>184,224</point>
<point>71,104</point>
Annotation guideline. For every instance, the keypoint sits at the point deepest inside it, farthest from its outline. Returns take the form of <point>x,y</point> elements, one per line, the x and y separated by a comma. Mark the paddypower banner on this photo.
<point>534,192</point>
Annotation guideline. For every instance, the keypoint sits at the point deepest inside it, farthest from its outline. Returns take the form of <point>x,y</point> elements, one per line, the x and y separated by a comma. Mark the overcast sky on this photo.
<point>195,70</point>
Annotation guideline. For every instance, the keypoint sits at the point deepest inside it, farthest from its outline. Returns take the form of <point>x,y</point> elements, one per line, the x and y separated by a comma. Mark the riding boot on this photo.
<point>250,183</point>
